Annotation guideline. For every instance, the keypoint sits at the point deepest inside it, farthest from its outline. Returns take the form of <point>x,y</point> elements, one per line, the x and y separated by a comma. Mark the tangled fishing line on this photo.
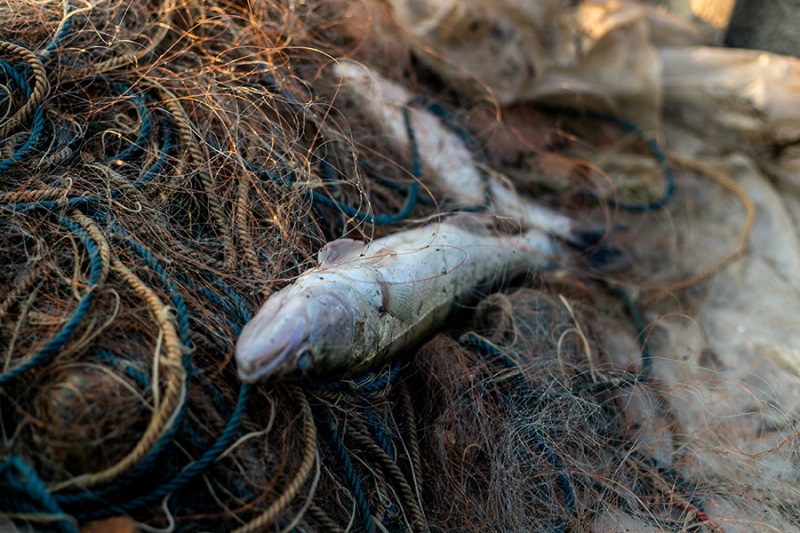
<point>164,166</point>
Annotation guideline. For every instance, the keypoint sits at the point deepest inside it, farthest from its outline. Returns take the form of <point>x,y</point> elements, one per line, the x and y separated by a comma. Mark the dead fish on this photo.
<point>451,166</point>
<point>448,160</point>
<point>366,302</point>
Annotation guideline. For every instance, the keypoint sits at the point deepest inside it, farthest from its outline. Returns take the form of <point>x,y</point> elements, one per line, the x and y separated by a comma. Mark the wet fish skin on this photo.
<point>366,302</point>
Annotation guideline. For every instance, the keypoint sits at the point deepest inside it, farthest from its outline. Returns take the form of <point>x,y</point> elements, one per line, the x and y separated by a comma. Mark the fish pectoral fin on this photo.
<point>340,251</point>
<point>402,301</point>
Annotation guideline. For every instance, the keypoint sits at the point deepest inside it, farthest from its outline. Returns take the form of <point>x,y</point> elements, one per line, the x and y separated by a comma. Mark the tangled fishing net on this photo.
<point>164,167</point>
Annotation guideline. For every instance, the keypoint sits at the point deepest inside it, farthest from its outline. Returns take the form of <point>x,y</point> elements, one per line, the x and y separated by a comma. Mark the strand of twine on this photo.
<point>327,523</point>
<point>179,481</point>
<point>41,86</point>
<point>187,137</point>
<point>269,516</point>
<point>243,229</point>
<point>750,217</point>
<point>36,195</point>
<point>410,440</point>
<point>309,497</point>
<point>361,437</point>
<point>24,313</point>
<point>170,403</point>
<point>383,501</point>
<point>20,287</point>
<point>97,236</point>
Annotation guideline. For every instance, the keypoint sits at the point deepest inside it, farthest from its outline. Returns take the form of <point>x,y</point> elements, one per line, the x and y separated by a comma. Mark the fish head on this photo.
<point>298,331</point>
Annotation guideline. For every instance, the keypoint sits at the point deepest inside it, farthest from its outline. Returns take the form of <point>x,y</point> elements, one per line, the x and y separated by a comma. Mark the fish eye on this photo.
<point>305,361</point>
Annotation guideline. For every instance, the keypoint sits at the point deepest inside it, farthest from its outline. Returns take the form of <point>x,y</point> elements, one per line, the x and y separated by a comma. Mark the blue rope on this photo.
<point>225,306</point>
<point>274,86</point>
<point>17,77</point>
<point>242,309</point>
<point>465,136</point>
<point>367,384</point>
<point>416,170</point>
<point>29,494</point>
<point>328,172</point>
<point>236,313</point>
<point>26,149</point>
<point>54,345</point>
<point>672,475</point>
<point>161,161</point>
<point>238,308</point>
<point>142,468</point>
<point>141,379</point>
<point>233,306</point>
<point>147,463</point>
<point>184,333</point>
<point>53,205</point>
<point>411,196</point>
<point>350,474</point>
<point>489,349</point>
<point>162,158</point>
<point>554,459</point>
<point>369,218</point>
<point>393,184</point>
<point>46,54</point>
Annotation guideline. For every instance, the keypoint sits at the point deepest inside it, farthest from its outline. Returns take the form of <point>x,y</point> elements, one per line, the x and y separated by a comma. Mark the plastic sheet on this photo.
<point>728,351</point>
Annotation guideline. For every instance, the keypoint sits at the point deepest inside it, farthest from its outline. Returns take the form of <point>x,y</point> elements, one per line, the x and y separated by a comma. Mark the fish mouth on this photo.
<point>298,332</point>
<point>266,350</point>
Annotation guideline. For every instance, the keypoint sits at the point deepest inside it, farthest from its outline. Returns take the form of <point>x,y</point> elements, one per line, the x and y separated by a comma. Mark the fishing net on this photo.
<point>166,166</point>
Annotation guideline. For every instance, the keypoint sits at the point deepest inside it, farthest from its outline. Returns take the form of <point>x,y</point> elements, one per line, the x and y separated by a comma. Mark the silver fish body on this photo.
<point>366,302</point>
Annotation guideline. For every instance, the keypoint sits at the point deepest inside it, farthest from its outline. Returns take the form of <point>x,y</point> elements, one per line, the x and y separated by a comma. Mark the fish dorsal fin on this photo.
<point>340,251</point>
